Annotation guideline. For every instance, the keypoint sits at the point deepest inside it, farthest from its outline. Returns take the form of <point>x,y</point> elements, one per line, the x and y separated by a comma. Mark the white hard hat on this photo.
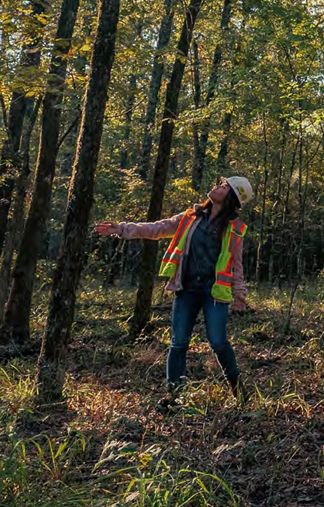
<point>242,188</point>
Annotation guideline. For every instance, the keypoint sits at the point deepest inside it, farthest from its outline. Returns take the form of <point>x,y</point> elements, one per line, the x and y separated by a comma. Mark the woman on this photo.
<point>204,264</point>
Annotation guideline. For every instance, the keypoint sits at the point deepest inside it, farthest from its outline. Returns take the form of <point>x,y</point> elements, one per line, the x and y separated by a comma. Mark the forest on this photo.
<point>131,111</point>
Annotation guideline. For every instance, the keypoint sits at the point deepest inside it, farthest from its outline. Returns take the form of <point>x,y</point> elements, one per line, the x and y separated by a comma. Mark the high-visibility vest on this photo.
<point>222,288</point>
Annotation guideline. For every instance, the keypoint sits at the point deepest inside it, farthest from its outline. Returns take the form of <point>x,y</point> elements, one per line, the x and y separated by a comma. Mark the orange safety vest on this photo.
<point>222,288</point>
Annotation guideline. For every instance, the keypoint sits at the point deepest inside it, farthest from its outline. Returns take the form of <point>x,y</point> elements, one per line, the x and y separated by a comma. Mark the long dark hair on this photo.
<point>228,212</point>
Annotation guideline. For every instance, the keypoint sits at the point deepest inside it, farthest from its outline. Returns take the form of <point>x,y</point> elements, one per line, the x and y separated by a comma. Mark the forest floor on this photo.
<point>107,445</point>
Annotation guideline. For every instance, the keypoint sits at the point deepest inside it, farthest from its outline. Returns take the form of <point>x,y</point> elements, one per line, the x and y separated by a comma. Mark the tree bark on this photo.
<point>196,165</point>
<point>19,302</point>
<point>213,80</point>
<point>144,294</point>
<point>129,109</point>
<point>128,121</point>
<point>155,85</point>
<point>51,365</point>
<point>16,226</point>
<point>10,150</point>
<point>274,233</point>
<point>264,196</point>
<point>223,150</point>
<point>291,172</point>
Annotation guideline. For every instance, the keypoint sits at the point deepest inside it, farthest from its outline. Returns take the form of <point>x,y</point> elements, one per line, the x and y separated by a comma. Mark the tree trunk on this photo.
<point>144,294</point>
<point>128,121</point>
<point>155,85</point>
<point>291,172</point>
<point>51,366</point>
<point>18,306</point>
<point>9,158</point>
<point>264,196</point>
<point>301,198</point>
<point>213,80</point>
<point>273,233</point>
<point>10,150</point>
<point>129,109</point>
<point>13,235</point>
<point>196,165</point>
<point>221,166</point>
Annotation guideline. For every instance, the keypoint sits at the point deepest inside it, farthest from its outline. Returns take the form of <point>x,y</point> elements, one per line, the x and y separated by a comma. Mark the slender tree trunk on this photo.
<point>13,235</point>
<point>129,109</point>
<point>221,165</point>
<point>19,302</point>
<point>128,121</point>
<point>264,196</point>
<point>196,165</point>
<point>213,80</point>
<point>273,233</point>
<point>9,161</point>
<point>155,85</point>
<point>300,234</point>
<point>302,197</point>
<point>291,172</point>
<point>144,294</point>
<point>51,365</point>
<point>300,201</point>
<point>9,158</point>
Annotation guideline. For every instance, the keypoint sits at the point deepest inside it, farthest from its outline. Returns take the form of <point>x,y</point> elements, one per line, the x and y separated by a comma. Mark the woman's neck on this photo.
<point>215,210</point>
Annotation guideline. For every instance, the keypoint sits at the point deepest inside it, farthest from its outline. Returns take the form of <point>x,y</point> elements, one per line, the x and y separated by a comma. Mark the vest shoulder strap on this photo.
<point>239,227</point>
<point>184,222</point>
<point>238,230</point>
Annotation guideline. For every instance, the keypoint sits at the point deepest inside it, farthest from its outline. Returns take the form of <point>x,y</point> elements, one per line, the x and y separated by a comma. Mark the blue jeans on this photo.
<point>186,306</point>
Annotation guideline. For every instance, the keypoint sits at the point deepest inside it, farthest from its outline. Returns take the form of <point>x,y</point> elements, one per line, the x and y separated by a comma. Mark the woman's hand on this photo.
<point>239,303</point>
<point>107,228</point>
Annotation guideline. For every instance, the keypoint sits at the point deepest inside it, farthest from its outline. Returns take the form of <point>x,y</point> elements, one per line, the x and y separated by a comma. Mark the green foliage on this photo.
<point>269,81</point>
<point>145,483</point>
<point>16,390</point>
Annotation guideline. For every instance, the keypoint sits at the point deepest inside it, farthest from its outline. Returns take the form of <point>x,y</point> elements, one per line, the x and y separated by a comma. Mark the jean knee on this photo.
<point>181,347</point>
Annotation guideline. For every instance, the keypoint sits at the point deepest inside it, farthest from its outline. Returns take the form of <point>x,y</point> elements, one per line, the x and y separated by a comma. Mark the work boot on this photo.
<point>166,404</point>
<point>239,390</point>
<point>170,400</point>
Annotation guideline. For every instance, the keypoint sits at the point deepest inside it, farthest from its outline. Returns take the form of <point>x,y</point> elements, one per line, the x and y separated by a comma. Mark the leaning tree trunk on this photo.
<point>144,294</point>
<point>213,80</point>
<point>51,365</point>
<point>18,306</point>
<point>19,103</point>
<point>155,85</point>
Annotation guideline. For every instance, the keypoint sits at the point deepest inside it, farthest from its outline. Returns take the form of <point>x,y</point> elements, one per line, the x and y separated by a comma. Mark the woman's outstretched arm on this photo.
<point>147,230</point>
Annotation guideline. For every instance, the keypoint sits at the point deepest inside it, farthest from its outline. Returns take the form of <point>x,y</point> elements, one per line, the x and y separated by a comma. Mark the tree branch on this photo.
<point>71,127</point>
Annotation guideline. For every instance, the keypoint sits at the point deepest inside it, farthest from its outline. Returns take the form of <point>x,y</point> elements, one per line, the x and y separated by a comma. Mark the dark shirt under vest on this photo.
<point>199,265</point>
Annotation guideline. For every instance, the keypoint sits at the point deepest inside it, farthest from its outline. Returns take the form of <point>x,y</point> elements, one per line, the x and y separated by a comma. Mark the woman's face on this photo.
<point>219,192</point>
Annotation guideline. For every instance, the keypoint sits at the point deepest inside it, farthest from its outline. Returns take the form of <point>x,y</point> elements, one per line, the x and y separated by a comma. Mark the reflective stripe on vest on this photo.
<point>173,254</point>
<point>224,278</point>
<point>222,288</point>
<point>184,222</point>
